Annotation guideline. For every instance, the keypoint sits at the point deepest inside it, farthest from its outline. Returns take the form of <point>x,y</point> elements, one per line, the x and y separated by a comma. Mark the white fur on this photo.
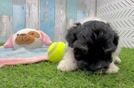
<point>68,63</point>
<point>115,55</point>
<point>91,19</point>
<point>116,60</point>
<point>112,68</point>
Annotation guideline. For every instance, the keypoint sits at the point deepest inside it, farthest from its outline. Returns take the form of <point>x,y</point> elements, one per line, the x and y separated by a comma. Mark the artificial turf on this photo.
<point>45,75</point>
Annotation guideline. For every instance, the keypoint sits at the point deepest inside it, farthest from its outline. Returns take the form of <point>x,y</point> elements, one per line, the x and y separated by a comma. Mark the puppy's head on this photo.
<point>72,33</point>
<point>93,43</point>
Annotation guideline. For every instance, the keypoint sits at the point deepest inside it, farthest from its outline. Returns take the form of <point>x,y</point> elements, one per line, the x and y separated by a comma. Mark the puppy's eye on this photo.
<point>77,52</point>
<point>81,50</point>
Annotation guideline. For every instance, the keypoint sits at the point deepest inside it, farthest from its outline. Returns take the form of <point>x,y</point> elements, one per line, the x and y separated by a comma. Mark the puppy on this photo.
<point>92,45</point>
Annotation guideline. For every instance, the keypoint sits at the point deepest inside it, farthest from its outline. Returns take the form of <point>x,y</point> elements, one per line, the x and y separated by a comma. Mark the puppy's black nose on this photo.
<point>102,65</point>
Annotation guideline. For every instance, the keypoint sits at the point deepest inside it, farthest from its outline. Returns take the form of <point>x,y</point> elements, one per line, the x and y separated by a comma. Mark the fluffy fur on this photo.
<point>92,45</point>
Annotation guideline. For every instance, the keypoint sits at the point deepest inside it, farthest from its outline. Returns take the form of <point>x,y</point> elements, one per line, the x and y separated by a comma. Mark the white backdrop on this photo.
<point>120,13</point>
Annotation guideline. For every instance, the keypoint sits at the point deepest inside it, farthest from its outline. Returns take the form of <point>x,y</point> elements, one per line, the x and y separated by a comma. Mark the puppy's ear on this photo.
<point>79,45</point>
<point>116,39</point>
<point>111,48</point>
<point>112,45</point>
<point>71,36</point>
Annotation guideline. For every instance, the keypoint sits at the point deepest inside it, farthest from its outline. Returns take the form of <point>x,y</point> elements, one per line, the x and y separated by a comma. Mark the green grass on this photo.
<point>45,75</point>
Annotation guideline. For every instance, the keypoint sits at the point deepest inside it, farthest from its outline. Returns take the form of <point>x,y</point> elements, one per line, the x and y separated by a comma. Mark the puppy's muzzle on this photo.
<point>102,65</point>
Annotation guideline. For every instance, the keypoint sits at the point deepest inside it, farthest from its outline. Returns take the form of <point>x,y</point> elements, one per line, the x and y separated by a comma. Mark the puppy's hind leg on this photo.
<point>68,63</point>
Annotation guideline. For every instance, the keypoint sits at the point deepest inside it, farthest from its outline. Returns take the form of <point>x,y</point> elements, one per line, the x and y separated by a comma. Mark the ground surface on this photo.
<point>45,75</point>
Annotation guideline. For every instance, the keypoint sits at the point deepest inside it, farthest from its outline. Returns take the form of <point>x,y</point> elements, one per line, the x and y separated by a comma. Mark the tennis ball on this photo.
<point>56,51</point>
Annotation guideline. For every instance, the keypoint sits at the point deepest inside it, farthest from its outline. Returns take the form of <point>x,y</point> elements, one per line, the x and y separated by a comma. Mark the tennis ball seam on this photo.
<point>54,50</point>
<point>51,51</point>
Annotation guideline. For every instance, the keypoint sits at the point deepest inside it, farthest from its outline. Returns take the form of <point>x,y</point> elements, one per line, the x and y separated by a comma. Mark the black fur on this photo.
<point>93,43</point>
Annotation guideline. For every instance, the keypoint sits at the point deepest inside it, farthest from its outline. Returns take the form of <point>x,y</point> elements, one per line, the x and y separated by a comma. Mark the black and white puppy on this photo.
<point>92,45</point>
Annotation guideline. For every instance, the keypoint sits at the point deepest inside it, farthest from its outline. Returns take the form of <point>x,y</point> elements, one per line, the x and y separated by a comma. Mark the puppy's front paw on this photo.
<point>117,60</point>
<point>112,69</point>
<point>67,66</point>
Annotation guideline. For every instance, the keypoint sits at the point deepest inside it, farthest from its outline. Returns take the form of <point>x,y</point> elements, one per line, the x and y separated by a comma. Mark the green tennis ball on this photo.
<point>56,51</point>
